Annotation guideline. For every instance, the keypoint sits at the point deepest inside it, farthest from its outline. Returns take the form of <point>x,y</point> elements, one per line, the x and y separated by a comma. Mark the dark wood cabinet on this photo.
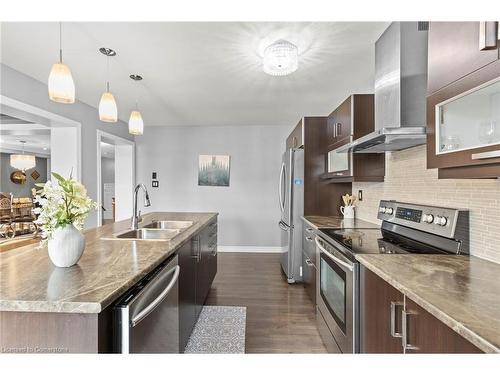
<point>390,322</point>
<point>309,261</point>
<point>427,334</point>
<point>187,292</point>
<point>296,137</point>
<point>320,197</point>
<point>380,315</point>
<point>212,253</point>
<point>463,120</point>
<point>340,123</point>
<point>198,262</point>
<point>352,119</point>
<point>454,52</point>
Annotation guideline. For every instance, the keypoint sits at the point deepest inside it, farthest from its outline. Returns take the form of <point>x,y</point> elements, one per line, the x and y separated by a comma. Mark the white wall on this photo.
<point>248,208</point>
<point>21,87</point>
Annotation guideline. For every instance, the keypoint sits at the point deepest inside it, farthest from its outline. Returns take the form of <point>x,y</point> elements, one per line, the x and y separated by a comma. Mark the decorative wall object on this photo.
<point>18,177</point>
<point>35,175</point>
<point>213,170</point>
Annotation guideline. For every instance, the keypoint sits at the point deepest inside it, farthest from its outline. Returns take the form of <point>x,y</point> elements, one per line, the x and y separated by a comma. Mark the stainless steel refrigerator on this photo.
<point>291,201</point>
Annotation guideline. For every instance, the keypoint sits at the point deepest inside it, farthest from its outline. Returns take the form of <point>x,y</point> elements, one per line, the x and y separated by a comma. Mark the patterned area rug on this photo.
<point>220,329</point>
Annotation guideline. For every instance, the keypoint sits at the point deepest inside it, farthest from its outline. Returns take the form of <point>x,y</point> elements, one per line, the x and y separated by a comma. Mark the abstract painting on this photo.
<point>213,170</point>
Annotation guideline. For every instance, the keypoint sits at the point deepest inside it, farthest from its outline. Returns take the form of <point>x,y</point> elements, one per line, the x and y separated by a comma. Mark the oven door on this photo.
<point>337,295</point>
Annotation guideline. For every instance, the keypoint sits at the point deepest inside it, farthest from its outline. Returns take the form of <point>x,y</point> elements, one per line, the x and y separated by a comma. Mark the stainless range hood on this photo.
<point>400,90</point>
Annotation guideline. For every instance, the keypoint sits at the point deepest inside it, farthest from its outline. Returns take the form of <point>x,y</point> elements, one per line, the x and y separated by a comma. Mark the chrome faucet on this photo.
<point>136,218</point>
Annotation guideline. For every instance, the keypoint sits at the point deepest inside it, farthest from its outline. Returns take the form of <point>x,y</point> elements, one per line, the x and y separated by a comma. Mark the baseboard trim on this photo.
<point>250,249</point>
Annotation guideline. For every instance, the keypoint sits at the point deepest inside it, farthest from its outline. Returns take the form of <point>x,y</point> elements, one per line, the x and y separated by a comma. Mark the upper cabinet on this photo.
<point>351,120</point>
<point>340,123</point>
<point>455,51</point>
<point>463,106</point>
<point>296,137</point>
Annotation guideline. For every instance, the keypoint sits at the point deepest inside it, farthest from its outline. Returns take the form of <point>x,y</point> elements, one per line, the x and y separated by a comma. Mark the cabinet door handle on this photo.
<point>309,263</point>
<point>486,155</point>
<point>309,230</point>
<point>393,319</point>
<point>404,330</point>
<point>309,239</point>
<point>488,35</point>
<point>338,127</point>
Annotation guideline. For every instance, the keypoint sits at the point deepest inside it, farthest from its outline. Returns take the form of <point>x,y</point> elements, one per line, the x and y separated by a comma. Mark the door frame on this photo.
<point>100,135</point>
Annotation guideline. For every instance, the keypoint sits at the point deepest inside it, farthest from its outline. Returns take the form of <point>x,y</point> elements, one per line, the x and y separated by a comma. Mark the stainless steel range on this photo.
<point>406,229</point>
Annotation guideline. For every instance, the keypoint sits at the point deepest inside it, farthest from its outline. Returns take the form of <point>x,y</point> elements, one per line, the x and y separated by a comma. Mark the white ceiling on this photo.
<point>14,131</point>
<point>203,73</point>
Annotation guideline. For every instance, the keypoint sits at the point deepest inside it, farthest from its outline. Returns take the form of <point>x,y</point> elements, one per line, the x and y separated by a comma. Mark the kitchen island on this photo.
<point>48,309</point>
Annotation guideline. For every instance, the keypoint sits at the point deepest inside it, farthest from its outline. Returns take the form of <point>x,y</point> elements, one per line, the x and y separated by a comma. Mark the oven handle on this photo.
<point>333,257</point>
<point>149,308</point>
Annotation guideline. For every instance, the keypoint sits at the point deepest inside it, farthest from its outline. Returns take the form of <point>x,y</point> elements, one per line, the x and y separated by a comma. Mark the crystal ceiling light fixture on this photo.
<point>135,123</point>
<point>61,85</point>
<point>280,58</point>
<point>108,112</point>
<point>22,161</point>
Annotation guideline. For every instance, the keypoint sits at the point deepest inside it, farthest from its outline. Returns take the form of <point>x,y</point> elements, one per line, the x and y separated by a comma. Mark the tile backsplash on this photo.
<point>407,179</point>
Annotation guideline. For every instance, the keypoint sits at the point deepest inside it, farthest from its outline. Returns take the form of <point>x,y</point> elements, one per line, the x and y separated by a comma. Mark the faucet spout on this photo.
<point>136,216</point>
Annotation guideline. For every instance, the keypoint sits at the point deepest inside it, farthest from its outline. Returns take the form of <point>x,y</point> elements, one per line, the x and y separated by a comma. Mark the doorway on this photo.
<point>47,143</point>
<point>115,177</point>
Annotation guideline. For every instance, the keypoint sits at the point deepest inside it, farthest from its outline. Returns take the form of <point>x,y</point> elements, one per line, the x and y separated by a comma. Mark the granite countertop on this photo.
<point>462,292</point>
<point>338,222</point>
<point>30,282</point>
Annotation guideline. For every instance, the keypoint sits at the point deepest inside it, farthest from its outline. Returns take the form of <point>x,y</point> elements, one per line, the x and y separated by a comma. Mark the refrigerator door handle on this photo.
<point>283,226</point>
<point>282,175</point>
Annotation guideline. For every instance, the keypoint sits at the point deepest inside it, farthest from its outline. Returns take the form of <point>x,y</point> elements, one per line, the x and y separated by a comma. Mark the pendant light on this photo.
<point>22,161</point>
<point>61,85</point>
<point>135,123</point>
<point>108,111</point>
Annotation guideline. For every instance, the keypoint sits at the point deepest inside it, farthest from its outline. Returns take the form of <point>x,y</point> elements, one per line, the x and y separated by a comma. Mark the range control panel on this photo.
<point>443,221</point>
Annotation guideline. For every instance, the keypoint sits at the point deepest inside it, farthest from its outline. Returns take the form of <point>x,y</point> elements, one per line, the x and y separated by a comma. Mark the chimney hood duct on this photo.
<point>400,91</point>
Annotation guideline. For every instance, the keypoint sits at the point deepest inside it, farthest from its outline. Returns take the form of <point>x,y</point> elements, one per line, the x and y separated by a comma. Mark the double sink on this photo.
<point>157,230</point>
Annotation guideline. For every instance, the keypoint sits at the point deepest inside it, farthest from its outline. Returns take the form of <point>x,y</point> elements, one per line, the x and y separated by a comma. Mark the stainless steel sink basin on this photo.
<point>170,224</point>
<point>149,234</point>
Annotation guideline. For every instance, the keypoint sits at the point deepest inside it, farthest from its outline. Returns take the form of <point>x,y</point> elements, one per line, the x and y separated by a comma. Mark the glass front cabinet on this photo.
<point>463,125</point>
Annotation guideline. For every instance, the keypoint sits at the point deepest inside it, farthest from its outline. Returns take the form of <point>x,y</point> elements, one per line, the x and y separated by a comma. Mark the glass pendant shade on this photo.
<point>108,111</point>
<point>61,85</point>
<point>22,161</point>
<point>135,123</point>
<point>280,58</point>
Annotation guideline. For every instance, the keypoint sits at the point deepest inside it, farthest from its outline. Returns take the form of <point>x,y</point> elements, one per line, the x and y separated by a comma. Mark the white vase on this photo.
<point>66,246</point>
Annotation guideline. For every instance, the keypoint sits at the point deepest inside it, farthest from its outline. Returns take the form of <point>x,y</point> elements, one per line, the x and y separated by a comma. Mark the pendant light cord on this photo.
<point>107,73</point>
<point>60,42</point>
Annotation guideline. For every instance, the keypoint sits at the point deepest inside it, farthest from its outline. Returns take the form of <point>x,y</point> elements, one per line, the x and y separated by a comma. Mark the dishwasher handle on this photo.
<point>149,308</point>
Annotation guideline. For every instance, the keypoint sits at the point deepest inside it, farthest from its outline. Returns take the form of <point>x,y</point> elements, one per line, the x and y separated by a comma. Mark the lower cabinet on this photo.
<point>198,262</point>
<point>380,315</point>
<point>390,322</point>
<point>426,334</point>
<point>309,261</point>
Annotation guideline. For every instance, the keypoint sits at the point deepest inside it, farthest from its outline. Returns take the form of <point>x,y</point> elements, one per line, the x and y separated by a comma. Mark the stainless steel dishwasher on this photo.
<point>147,317</point>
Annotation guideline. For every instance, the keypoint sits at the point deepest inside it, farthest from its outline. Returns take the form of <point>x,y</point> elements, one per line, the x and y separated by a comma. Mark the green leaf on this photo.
<point>59,177</point>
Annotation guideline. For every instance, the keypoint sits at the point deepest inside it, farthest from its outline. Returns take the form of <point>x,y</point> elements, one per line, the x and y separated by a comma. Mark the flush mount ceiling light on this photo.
<point>22,161</point>
<point>135,123</point>
<point>61,85</point>
<point>108,112</point>
<point>281,58</point>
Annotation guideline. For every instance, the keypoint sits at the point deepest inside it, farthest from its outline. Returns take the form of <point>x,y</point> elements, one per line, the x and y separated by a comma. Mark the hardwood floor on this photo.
<point>280,317</point>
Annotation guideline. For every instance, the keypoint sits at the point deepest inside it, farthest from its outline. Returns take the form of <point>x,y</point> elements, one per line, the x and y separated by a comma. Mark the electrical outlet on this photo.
<point>155,183</point>
<point>153,176</point>
<point>360,195</point>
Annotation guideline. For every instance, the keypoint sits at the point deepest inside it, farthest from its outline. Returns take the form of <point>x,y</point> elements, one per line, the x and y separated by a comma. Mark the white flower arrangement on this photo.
<point>60,204</point>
